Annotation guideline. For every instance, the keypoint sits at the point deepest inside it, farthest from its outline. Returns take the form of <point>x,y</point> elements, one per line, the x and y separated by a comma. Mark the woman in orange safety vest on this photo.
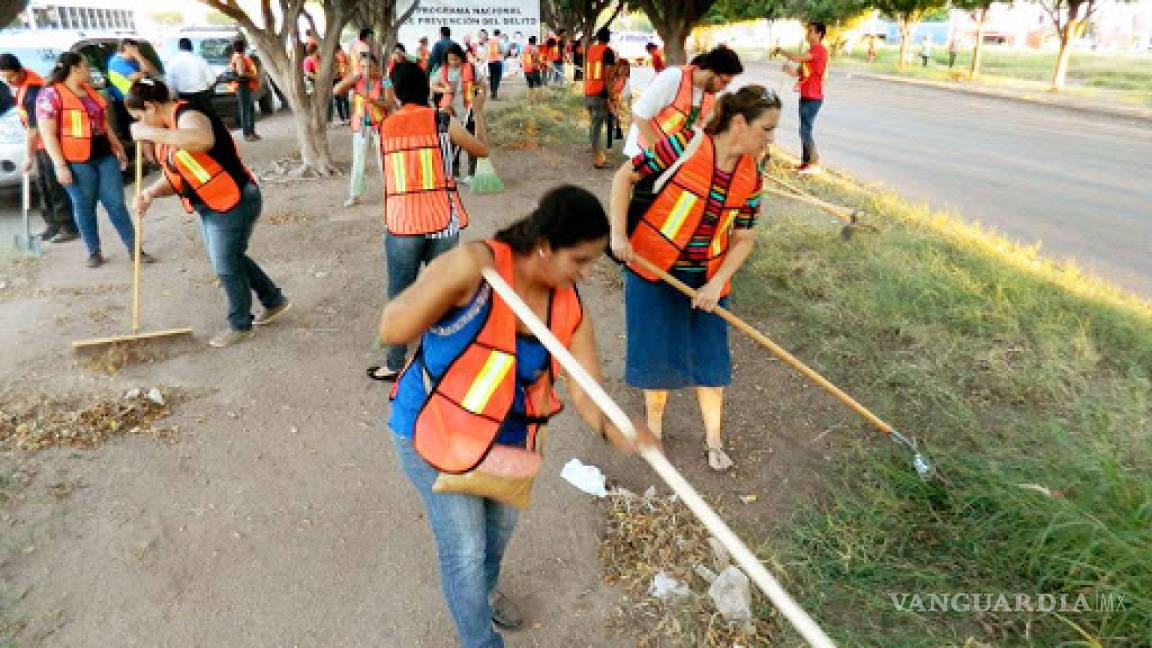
<point>698,227</point>
<point>457,84</point>
<point>481,380</point>
<point>423,213</point>
<point>202,167</point>
<point>371,102</point>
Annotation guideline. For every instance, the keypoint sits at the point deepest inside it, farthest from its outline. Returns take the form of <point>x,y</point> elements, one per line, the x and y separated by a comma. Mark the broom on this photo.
<point>485,180</point>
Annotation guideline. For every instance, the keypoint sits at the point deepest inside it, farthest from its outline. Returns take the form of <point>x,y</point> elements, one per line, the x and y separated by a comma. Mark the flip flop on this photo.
<point>387,375</point>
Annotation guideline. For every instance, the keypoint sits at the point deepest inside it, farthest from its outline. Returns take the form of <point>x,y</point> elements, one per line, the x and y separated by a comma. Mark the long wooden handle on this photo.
<point>137,246</point>
<point>716,526</point>
<point>812,200</point>
<point>778,350</point>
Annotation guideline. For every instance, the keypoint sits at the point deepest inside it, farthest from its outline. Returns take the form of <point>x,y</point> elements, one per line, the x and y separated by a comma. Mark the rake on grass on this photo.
<point>849,216</point>
<point>919,462</point>
<point>715,525</point>
<point>136,334</point>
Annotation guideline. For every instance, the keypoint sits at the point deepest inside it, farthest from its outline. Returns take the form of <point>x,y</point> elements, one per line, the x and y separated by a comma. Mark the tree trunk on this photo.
<point>905,34</point>
<point>978,48</point>
<point>675,36</point>
<point>1063,55</point>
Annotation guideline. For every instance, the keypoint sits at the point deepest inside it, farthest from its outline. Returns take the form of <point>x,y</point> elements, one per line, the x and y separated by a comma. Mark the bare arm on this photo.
<point>622,183</point>
<point>460,136</point>
<point>346,84</point>
<point>450,280</point>
<point>742,242</point>
<point>644,127</point>
<point>193,133</point>
<point>799,57</point>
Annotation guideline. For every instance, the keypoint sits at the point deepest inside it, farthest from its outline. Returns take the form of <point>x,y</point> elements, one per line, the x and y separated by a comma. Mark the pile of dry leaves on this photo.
<point>33,423</point>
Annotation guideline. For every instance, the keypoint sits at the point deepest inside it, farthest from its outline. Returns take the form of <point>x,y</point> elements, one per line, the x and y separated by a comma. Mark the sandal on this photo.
<point>719,460</point>
<point>382,373</point>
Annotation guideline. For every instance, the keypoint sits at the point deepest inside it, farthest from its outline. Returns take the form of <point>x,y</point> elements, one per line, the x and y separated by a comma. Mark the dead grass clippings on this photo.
<point>290,217</point>
<point>33,423</point>
<point>647,535</point>
<point>116,356</point>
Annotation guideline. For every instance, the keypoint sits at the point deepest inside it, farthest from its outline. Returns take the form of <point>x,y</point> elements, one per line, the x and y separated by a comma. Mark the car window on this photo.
<point>216,51</point>
<point>39,60</point>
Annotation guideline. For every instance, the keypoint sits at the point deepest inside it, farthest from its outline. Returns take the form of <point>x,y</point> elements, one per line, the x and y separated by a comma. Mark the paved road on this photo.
<point>1079,184</point>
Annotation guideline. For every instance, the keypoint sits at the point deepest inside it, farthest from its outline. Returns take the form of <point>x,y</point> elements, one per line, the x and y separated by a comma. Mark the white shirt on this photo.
<point>188,73</point>
<point>660,93</point>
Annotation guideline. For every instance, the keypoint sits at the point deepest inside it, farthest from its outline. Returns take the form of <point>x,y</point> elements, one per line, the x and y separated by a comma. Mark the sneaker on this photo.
<point>95,260</point>
<point>351,202</point>
<point>270,314</point>
<point>505,614</point>
<point>810,169</point>
<point>229,337</point>
<point>382,373</point>
<point>65,235</point>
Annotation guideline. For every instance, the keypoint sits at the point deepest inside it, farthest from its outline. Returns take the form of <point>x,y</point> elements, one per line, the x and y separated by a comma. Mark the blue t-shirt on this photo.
<point>441,344</point>
<point>120,71</point>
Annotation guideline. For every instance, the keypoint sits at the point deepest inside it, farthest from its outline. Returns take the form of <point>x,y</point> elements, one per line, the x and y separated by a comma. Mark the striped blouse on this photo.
<point>657,159</point>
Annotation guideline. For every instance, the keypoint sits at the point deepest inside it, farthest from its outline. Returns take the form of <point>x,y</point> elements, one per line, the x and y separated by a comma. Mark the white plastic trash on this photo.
<point>665,586</point>
<point>586,477</point>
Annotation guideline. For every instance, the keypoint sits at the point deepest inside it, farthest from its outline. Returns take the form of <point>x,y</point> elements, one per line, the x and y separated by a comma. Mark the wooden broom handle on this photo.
<point>715,525</point>
<point>137,243</point>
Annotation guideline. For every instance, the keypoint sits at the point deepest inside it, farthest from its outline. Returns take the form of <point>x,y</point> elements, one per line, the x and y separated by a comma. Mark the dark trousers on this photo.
<point>340,104</point>
<point>245,114</point>
<point>495,72</point>
<point>470,126</point>
<point>201,101</point>
<point>597,119</point>
<point>55,205</point>
<point>808,110</point>
<point>951,59</point>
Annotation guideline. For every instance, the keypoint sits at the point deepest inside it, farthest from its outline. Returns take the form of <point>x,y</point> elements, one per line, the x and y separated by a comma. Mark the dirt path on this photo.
<point>277,516</point>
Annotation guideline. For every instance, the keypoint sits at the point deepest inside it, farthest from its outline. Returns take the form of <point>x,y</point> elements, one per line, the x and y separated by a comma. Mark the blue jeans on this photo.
<point>405,255</point>
<point>471,535</point>
<point>808,110</point>
<point>226,237</point>
<point>245,114</point>
<point>101,179</point>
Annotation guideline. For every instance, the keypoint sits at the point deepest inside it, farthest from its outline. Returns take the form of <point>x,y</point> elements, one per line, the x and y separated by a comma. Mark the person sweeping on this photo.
<point>693,217</point>
<point>457,86</point>
<point>370,104</point>
<point>481,386</point>
<point>423,213</point>
<point>202,167</point>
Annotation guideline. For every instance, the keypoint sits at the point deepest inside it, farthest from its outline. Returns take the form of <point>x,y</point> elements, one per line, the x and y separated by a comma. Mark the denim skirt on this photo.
<point>670,344</point>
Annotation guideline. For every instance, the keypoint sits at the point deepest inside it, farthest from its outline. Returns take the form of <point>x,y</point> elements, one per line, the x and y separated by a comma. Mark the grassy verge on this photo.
<point>552,117</point>
<point>1029,384</point>
<point>1128,78</point>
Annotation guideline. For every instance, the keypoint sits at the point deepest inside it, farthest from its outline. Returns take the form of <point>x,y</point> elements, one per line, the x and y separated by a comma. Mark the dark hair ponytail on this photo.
<point>566,216</point>
<point>751,101</point>
<point>146,89</point>
<point>64,64</point>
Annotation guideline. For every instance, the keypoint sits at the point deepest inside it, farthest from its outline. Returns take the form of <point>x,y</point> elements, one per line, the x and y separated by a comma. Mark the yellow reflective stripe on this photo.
<point>678,215</point>
<point>596,71</point>
<point>426,170</point>
<point>398,175</point>
<point>671,125</point>
<point>75,123</point>
<point>725,225</point>
<point>487,381</point>
<point>122,83</point>
<point>191,165</point>
<point>357,105</point>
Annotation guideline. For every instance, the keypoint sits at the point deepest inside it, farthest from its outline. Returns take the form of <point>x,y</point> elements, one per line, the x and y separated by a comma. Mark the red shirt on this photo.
<point>812,73</point>
<point>657,62</point>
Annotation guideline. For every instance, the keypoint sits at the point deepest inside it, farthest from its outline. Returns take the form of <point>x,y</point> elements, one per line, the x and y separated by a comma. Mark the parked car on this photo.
<point>215,45</point>
<point>38,51</point>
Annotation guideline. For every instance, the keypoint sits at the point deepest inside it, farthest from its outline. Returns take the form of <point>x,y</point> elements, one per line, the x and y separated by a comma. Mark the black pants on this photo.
<point>470,126</point>
<point>201,101</point>
<point>340,104</point>
<point>495,72</point>
<point>55,205</point>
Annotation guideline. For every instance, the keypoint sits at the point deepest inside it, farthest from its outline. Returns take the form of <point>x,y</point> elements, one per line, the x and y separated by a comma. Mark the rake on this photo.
<point>136,334</point>
<point>849,216</point>
<point>919,462</point>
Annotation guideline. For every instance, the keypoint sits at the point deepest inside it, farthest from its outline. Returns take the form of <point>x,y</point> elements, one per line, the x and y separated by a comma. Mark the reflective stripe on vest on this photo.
<point>31,80</point>
<point>197,173</point>
<point>75,127</point>
<point>665,230</point>
<point>466,407</point>
<point>467,85</point>
<point>249,70</point>
<point>528,59</point>
<point>673,118</point>
<point>493,50</point>
<point>420,195</point>
<point>594,79</point>
<point>360,104</point>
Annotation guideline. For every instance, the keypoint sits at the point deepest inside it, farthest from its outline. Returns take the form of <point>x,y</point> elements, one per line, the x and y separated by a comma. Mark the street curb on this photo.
<point>1123,112</point>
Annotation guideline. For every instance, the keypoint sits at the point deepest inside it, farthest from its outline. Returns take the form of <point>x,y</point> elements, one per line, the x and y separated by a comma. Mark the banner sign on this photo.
<point>517,19</point>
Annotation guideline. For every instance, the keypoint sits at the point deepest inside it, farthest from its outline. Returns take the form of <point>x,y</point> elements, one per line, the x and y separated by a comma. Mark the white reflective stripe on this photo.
<point>486,382</point>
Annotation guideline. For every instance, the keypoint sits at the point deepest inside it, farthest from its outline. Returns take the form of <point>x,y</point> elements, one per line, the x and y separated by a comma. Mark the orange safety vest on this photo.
<point>461,417</point>
<point>467,81</point>
<point>594,73</point>
<point>198,173</point>
<point>419,195</point>
<point>673,118</point>
<point>528,59</point>
<point>666,228</point>
<point>422,55</point>
<point>341,63</point>
<point>31,80</point>
<point>249,70</point>
<point>74,127</point>
<point>360,103</point>
<point>493,50</point>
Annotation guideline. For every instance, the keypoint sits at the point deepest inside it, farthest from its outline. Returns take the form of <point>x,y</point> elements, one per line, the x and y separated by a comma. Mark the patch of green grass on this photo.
<point>553,117</point>
<point>1128,76</point>
<point>1018,375</point>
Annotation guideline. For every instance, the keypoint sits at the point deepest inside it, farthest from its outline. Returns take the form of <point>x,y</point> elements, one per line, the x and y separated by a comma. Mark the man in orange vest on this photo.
<point>494,50</point>
<point>246,83</point>
<point>530,62</point>
<point>56,207</point>
<point>679,98</point>
<point>370,106</point>
<point>597,79</point>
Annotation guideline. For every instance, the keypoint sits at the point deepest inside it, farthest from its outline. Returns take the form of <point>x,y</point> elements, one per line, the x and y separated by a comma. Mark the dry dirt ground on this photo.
<point>272,511</point>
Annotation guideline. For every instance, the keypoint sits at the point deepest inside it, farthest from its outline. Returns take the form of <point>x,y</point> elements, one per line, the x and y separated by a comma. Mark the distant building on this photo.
<point>106,15</point>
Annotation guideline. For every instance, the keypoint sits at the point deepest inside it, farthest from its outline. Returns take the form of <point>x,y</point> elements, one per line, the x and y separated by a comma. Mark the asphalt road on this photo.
<point>1079,184</point>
